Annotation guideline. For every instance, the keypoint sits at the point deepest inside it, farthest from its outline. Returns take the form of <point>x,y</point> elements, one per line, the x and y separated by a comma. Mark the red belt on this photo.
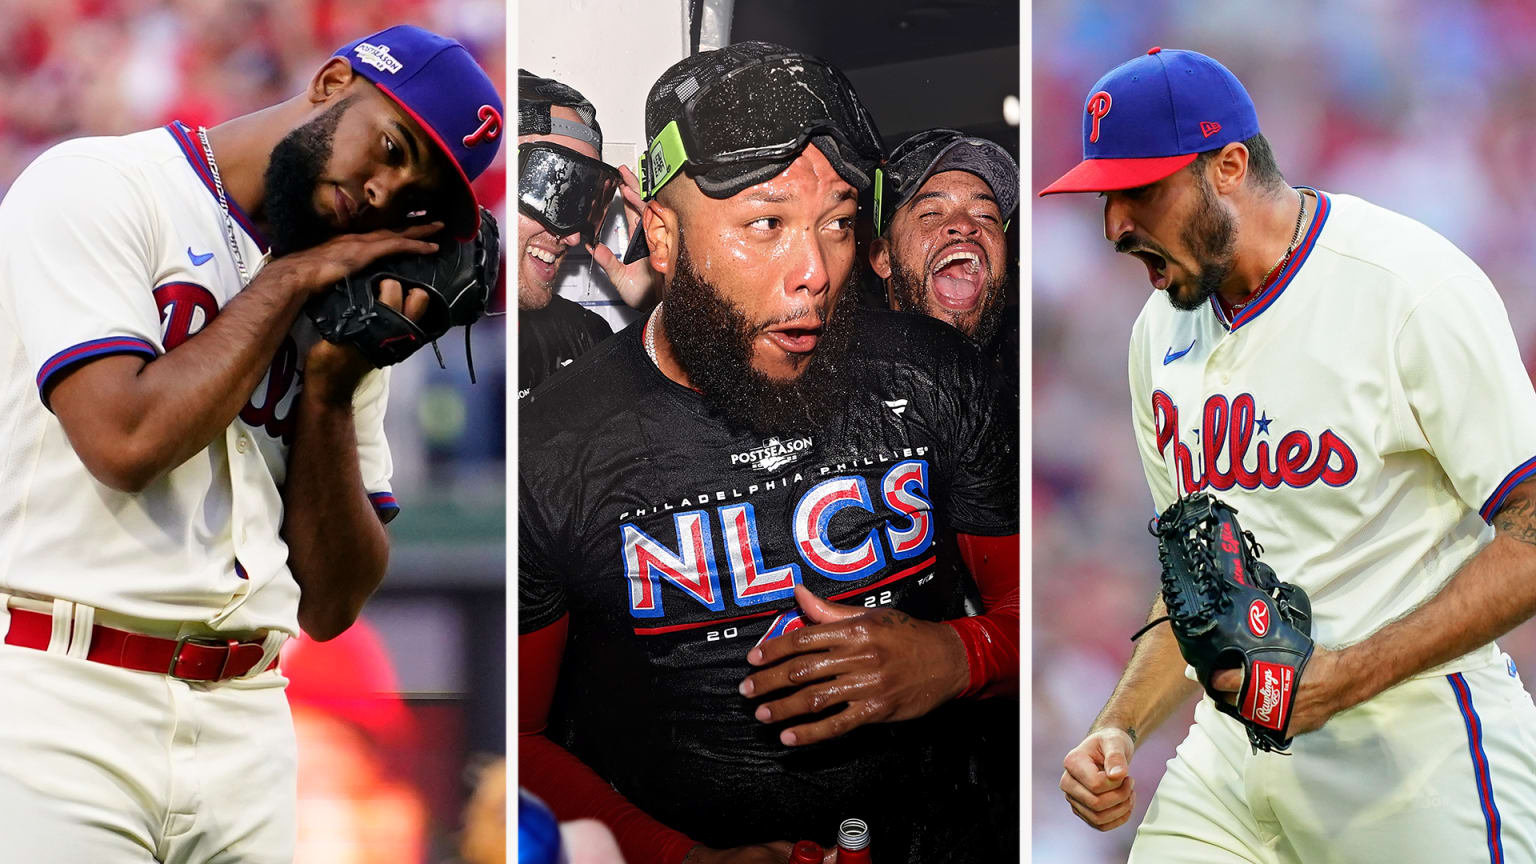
<point>190,658</point>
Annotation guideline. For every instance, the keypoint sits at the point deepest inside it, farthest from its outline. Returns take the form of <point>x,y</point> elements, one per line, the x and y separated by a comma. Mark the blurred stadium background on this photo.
<point>1426,107</point>
<point>383,779</point>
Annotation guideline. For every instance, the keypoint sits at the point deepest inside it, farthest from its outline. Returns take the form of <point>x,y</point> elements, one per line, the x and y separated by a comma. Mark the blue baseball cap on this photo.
<point>1149,117</point>
<point>436,81</point>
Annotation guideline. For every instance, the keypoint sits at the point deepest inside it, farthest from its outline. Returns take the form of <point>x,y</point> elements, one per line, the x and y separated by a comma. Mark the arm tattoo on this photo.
<point>1135,736</point>
<point>892,616</point>
<point>1517,520</point>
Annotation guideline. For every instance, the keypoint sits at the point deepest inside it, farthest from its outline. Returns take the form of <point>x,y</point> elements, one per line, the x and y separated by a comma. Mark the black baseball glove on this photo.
<point>458,278</point>
<point>1229,611</point>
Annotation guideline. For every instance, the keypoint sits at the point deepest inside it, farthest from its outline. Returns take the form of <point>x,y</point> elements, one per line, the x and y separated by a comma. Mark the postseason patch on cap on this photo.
<point>378,57</point>
<point>436,81</point>
<point>1151,115</point>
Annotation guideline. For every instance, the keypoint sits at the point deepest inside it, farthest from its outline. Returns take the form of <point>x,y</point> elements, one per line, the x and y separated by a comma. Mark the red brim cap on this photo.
<point>463,218</point>
<point>1108,175</point>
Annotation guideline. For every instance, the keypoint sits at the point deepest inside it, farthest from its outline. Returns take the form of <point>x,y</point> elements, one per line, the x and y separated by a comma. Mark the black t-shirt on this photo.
<point>552,337</point>
<point>674,543</point>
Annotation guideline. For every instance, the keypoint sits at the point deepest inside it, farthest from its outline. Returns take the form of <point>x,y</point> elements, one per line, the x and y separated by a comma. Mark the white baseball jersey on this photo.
<point>117,245</point>
<point>1366,414</point>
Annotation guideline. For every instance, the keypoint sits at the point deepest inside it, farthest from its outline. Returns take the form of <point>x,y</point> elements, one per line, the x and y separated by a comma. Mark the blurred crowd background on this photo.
<point>400,718</point>
<point>1426,107</point>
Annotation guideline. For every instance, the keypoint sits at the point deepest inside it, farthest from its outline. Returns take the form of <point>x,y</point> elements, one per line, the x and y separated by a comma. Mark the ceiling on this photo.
<point>917,64</point>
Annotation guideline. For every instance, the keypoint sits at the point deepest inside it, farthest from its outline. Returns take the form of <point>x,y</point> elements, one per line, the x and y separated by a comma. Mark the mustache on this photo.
<point>963,241</point>
<point>1136,243</point>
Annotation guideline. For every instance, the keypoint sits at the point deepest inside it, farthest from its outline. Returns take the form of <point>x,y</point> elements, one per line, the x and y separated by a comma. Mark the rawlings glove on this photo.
<point>458,278</point>
<point>1229,611</point>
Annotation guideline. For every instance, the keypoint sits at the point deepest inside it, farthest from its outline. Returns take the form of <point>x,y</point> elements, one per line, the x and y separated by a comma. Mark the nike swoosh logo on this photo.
<point>1173,355</point>
<point>198,260</point>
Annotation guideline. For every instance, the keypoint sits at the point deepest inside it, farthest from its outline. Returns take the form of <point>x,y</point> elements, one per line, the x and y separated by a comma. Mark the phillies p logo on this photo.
<point>1098,106</point>
<point>490,126</point>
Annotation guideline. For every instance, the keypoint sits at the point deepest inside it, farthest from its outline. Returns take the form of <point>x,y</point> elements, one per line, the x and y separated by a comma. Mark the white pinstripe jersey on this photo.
<point>1366,414</point>
<point>117,245</point>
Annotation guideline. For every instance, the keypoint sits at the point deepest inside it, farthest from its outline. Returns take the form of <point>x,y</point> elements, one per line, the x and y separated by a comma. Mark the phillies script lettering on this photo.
<point>186,308</point>
<point>1229,456</point>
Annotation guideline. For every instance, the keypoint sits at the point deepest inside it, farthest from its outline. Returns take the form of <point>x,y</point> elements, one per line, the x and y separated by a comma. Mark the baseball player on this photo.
<point>191,474</point>
<point>564,189</point>
<point>738,518</point>
<point>1348,380</point>
<point>941,248</point>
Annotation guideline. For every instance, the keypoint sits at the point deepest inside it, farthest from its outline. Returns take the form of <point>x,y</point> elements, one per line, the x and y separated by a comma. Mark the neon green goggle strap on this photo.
<point>662,161</point>
<point>879,201</point>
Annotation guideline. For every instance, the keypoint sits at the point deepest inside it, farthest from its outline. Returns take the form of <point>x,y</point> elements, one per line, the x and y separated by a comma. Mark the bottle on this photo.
<point>853,842</point>
<point>806,852</point>
<point>538,834</point>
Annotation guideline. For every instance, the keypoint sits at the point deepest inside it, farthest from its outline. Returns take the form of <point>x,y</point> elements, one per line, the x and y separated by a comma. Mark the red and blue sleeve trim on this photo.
<point>1524,472</point>
<point>1272,292</point>
<point>1479,767</point>
<point>384,504</point>
<point>88,350</point>
<point>192,149</point>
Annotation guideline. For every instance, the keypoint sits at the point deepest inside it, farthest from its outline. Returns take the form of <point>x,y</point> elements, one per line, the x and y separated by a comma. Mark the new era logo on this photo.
<point>897,406</point>
<point>1207,128</point>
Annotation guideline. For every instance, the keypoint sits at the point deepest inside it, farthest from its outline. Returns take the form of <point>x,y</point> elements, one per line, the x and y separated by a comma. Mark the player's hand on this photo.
<point>634,281</point>
<point>307,271</point>
<point>1096,778</point>
<point>763,853</point>
<point>881,664</point>
<point>1318,694</point>
<point>334,370</point>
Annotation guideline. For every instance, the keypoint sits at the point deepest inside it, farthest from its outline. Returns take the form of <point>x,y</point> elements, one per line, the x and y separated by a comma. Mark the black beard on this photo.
<point>1211,237</point>
<point>910,291</point>
<point>293,171</point>
<point>712,339</point>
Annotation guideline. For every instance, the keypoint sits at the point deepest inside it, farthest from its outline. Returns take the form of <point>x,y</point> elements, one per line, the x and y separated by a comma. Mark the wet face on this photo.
<point>360,164</point>
<point>1184,234</point>
<point>781,253</point>
<point>759,303</point>
<point>541,252</point>
<point>945,255</point>
<point>715,341</point>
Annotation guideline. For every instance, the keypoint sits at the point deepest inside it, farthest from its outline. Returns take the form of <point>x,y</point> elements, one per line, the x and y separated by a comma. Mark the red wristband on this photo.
<point>991,652</point>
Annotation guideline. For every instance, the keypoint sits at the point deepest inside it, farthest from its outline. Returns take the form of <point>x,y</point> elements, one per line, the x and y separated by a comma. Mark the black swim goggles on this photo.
<point>738,127</point>
<point>563,190</point>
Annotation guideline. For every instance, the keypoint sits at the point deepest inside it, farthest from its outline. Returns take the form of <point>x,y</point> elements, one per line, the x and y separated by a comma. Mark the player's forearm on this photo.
<point>991,642</point>
<point>1152,686</point>
<point>574,791</point>
<point>991,639</point>
<point>1490,595</point>
<point>131,422</point>
<point>337,547</point>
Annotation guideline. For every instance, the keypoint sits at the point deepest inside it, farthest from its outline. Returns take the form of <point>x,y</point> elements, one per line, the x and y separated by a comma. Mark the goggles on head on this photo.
<point>744,127</point>
<point>563,190</point>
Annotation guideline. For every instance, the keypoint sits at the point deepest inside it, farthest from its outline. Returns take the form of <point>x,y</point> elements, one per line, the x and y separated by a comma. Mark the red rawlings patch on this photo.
<point>1268,702</point>
<point>1258,618</point>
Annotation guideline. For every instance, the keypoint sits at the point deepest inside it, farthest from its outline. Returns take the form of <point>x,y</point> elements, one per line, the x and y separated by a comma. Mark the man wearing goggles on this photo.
<point>741,520</point>
<point>564,189</point>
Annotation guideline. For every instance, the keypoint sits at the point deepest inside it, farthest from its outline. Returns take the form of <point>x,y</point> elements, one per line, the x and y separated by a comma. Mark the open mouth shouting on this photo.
<point>959,276</point>
<point>1157,266</point>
